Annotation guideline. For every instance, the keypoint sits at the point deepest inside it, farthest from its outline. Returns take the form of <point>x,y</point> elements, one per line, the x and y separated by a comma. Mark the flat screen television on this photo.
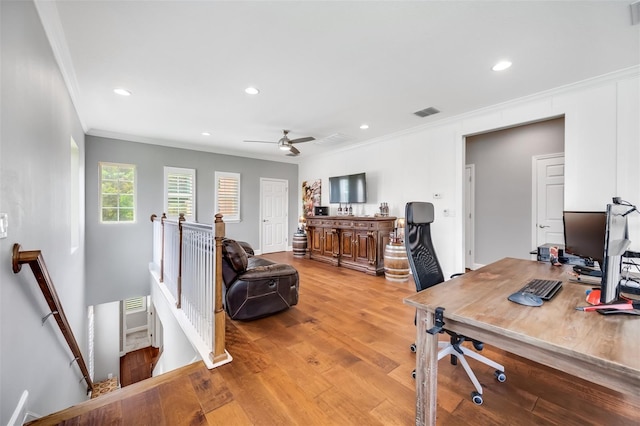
<point>348,189</point>
<point>584,234</point>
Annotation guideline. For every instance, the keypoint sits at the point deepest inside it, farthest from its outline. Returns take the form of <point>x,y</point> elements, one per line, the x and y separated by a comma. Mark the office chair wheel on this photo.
<point>478,345</point>
<point>476,398</point>
<point>500,376</point>
<point>413,347</point>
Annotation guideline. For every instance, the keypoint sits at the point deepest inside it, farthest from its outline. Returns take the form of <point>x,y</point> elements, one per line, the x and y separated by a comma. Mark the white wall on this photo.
<point>176,351</point>
<point>602,134</point>
<point>37,122</point>
<point>106,340</point>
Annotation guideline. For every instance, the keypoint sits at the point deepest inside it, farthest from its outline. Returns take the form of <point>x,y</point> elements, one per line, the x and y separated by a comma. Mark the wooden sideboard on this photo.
<point>351,241</point>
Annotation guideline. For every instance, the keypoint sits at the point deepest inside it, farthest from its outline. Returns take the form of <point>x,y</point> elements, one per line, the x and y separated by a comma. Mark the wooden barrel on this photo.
<point>299,245</point>
<point>396,263</point>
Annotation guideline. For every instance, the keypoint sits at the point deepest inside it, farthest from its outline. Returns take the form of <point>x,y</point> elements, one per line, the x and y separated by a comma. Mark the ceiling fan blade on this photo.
<point>261,141</point>
<point>293,152</point>
<point>300,140</point>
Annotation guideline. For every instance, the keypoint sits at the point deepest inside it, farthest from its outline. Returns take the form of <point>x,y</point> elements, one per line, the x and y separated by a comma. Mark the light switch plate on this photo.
<point>4,224</point>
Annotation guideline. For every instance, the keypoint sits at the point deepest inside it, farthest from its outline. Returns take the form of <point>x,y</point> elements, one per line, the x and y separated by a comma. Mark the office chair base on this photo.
<point>476,396</point>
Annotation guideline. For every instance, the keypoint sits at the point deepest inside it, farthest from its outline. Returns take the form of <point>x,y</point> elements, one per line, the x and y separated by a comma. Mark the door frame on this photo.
<point>534,192</point>
<point>285,209</point>
<point>470,213</point>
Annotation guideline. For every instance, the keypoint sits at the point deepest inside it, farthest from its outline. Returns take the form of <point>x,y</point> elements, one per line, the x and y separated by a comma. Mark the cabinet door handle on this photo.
<point>543,226</point>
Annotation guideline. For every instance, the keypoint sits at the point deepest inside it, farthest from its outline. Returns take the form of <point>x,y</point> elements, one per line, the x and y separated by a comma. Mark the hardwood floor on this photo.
<point>341,357</point>
<point>137,365</point>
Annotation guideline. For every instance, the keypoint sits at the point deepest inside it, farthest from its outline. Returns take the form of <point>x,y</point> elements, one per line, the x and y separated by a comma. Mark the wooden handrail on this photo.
<point>35,260</point>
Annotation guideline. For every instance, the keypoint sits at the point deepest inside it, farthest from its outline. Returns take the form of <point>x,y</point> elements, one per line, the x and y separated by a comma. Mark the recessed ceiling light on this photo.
<point>501,66</point>
<point>122,92</point>
<point>364,126</point>
<point>206,134</point>
<point>251,91</point>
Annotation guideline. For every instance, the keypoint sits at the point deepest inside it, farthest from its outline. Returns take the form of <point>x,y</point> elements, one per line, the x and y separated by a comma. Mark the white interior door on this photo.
<point>548,199</point>
<point>274,207</point>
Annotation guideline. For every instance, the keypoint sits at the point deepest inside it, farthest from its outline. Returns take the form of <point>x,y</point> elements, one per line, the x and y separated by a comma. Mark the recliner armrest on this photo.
<point>268,271</point>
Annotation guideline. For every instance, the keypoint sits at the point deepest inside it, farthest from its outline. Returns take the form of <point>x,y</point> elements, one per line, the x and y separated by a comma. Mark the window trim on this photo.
<point>168,170</point>
<point>101,164</point>
<point>220,175</point>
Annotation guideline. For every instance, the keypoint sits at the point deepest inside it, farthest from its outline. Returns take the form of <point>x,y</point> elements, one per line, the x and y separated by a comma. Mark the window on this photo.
<point>228,196</point>
<point>179,193</point>
<point>117,192</point>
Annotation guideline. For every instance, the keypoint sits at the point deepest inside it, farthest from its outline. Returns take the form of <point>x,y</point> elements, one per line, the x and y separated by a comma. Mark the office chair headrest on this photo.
<point>417,212</point>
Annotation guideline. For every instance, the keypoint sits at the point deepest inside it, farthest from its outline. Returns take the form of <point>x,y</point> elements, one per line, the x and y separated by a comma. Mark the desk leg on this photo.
<point>426,369</point>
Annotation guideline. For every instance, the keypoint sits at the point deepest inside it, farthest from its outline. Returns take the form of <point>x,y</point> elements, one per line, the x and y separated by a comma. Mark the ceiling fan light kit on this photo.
<point>286,144</point>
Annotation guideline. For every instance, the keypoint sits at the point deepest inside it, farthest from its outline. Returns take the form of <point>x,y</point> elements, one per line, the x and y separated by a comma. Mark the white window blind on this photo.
<point>180,192</point>
<point>228,196</point>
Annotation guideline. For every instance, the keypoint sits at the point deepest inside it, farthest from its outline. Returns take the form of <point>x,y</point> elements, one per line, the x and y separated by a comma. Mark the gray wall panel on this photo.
<point>118,254</point>
<point>503,186</point>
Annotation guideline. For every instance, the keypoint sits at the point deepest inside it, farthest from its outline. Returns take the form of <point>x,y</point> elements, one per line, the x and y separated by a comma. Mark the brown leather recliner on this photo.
<point>255,287</point>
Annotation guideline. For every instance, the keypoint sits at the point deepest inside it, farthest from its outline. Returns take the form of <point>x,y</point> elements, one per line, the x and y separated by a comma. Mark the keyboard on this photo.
<point>545,289</point>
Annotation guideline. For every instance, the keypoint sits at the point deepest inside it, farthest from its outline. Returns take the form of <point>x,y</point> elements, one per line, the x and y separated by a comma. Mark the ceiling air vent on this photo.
<point>426,112</point>
<point>333,139</point>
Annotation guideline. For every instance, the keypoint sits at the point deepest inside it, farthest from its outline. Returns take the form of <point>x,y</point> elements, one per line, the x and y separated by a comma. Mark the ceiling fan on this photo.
<point>286,144</point>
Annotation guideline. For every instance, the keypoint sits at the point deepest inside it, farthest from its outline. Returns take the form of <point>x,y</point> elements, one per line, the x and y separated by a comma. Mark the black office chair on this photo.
<point>427,273</point>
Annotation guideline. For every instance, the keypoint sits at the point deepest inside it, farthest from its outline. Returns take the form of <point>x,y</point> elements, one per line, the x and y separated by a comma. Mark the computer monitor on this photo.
<point>584,234</point>
<point>615,244</point>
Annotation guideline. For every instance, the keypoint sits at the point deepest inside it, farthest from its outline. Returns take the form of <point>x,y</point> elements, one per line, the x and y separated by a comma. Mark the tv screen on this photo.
<point>348,189</point>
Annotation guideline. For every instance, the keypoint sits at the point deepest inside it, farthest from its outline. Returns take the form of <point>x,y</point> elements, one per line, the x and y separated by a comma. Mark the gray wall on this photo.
<point>118,254</point>
<point>503,186</point>
<point>107,340</point>
<point>37,122</point>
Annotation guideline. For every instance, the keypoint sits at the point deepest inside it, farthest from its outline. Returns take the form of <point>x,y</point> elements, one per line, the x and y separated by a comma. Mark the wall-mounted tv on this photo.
<point>348,189</point>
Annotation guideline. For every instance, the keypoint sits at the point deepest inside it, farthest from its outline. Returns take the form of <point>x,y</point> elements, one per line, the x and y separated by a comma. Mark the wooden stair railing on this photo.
<point>218,354</point>
<point>35,260</point>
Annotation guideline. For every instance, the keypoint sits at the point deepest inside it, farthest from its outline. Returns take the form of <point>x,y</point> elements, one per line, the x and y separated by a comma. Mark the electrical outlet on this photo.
<point>449,212</point>
<point>437,195</point>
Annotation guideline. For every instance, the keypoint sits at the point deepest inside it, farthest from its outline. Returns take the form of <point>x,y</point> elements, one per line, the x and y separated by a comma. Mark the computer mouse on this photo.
<point>525,298</point>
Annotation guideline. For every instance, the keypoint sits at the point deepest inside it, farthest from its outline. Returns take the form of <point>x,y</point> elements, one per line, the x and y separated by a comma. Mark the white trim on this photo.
<point>472,211</point>
<point>48,12</point>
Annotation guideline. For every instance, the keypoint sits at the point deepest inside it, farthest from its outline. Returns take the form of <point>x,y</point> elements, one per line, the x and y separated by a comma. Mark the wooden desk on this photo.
<point>601,349</point>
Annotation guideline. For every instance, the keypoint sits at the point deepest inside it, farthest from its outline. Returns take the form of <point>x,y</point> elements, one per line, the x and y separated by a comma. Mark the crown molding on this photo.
<point>50,19</point>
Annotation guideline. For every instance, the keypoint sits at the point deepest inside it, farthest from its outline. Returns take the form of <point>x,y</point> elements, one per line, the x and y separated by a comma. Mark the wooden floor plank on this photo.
<point>341,357</point>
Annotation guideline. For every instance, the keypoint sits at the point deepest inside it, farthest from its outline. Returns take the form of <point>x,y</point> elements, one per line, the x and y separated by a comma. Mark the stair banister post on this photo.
<point>219,353</point>
<point>181,219</point>
<point>164,217</point>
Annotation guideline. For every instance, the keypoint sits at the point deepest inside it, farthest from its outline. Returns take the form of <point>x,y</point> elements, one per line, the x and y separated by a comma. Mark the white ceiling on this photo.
<point>323,68</point>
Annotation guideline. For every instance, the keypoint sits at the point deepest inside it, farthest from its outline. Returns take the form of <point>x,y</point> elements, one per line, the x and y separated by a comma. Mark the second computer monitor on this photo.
<point>584,234</point>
